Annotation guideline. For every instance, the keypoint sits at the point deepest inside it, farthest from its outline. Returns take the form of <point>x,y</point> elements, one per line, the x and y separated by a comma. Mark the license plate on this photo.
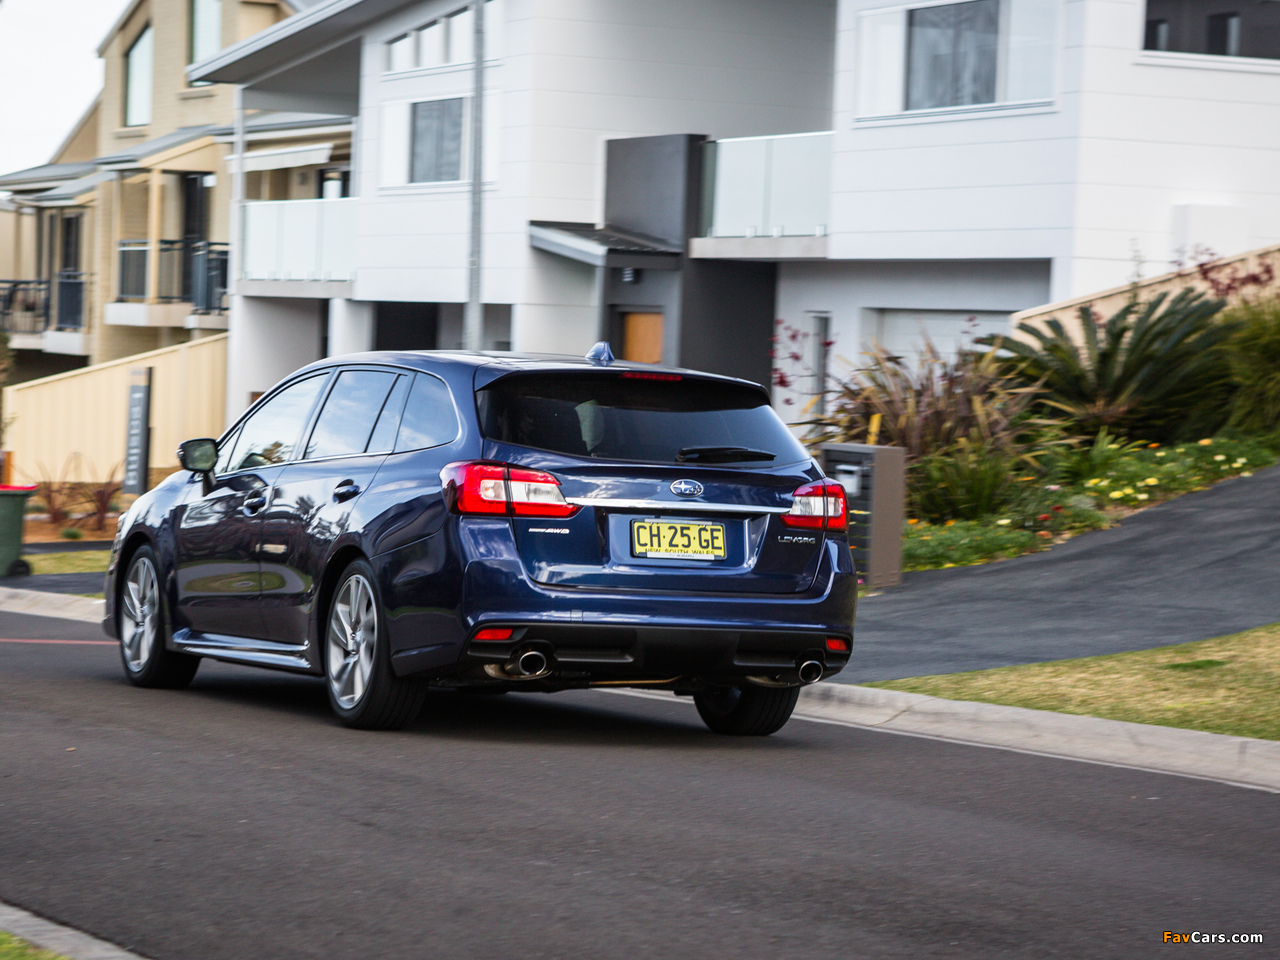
<point>668,540</point>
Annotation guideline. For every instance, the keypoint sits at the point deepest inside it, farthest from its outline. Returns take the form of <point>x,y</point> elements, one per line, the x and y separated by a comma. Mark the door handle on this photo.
<point>345,490</point>
<point>253,504</point>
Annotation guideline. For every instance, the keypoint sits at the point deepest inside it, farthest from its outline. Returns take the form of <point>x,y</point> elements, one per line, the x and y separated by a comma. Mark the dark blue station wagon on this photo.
<point>399,521</point>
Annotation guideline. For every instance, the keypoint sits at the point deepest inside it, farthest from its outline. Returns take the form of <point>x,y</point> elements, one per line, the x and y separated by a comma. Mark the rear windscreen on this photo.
<point>611,417</point>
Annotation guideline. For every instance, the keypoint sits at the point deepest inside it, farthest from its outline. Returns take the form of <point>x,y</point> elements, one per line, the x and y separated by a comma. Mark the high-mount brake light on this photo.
<point>499,489</point>
<point>820,505</point>
<point>646,375</point>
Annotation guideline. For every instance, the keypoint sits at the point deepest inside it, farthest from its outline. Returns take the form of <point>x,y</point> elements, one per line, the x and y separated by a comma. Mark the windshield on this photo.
<point>612,416</point>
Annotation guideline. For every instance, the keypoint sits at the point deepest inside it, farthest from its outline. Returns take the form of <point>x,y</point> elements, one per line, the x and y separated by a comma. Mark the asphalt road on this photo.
<point>237,820</point>
<point>1200,566</point>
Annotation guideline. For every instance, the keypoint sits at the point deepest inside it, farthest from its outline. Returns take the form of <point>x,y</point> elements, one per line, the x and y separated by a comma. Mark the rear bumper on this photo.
<point>600,636</point>
<point>603,654</point>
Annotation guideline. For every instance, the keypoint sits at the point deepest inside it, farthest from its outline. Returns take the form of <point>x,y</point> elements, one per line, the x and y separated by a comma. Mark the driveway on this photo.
<point>1203,565</point>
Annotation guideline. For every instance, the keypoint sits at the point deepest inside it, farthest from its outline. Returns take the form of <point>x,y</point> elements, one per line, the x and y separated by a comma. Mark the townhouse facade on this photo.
<point>122,237</point>
<point>693,180</point>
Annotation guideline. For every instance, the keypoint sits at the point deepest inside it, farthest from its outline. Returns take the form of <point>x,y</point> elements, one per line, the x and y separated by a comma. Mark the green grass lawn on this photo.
<point>79,561</point>
<point>11,948</point>
<point>1225,685</point>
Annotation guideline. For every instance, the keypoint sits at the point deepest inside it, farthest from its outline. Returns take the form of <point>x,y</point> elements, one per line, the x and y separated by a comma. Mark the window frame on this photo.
<point>1002,104</point>
<point>453,402</point>
<point>314,421</point>
<point>464,141</point>
<point>308,423</point>
<point>191,32</point>
<point>128,85</point>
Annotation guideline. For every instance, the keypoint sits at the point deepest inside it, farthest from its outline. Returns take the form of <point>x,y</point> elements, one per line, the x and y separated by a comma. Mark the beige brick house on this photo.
<point>119,242</point>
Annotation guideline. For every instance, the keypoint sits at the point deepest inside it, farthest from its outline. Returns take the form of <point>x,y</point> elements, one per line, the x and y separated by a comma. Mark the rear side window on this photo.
<point>429,418</point>
<point>612,417</point>
<point>350,412</point>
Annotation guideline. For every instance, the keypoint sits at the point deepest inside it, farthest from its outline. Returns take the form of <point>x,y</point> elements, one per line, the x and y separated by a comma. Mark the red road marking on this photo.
<point>91,643</point>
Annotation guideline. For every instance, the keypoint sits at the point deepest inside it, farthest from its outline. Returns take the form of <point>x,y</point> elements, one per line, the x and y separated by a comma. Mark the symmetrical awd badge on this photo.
<point>686,488</point>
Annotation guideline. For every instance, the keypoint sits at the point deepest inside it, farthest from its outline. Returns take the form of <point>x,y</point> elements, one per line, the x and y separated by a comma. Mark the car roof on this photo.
<point>500,363</point>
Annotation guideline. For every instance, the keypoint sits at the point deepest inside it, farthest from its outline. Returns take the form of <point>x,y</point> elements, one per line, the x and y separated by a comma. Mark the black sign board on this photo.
<point>137,451</point>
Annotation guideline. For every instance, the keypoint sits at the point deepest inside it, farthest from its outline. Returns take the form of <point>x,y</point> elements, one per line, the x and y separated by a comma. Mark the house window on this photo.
<point>956,55</point>
<point>951,55</point>
<point>445,42</point>
<point>436,141</point>
<point>1157,35</point>
<point>137,81</point>
<point>206,29</point>
<point>1222,28</point>
<point>1224,34</point>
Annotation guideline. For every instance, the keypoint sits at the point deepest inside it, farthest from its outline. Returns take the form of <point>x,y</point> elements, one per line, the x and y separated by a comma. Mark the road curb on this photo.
<point>55,937</point>
<point>37,603</point>
<point>1236,760</point>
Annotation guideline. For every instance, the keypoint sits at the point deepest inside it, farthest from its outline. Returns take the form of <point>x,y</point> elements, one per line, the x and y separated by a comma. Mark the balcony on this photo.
<point>306,241</point>
<point>184,286</point>
<point>766,197</point>
<point>24,306</point>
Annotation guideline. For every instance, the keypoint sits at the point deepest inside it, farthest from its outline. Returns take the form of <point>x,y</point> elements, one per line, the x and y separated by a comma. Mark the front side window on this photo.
<point>350,411</point>
<point>956,55</point>
<point>1222,28</point>
<point>137,81</point>
<point>206,29</point>
<point>270,435</point>
<point>436,141</point>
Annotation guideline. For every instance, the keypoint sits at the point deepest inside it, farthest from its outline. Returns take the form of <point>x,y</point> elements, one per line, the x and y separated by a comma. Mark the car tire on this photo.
<point>144,628</point>
<point>363,690</point>
<point>746,711</point>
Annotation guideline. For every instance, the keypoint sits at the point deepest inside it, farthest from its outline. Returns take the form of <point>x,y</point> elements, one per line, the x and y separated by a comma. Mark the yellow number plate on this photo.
<point>664,540</point>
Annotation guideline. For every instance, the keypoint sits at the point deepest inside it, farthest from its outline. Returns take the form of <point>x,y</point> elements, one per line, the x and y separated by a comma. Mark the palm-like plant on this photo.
<point>1146,371</point>
<point>931,406</point>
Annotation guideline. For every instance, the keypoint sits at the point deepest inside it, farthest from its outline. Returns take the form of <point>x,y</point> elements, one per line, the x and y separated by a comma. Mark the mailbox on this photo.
<point>875,483</point>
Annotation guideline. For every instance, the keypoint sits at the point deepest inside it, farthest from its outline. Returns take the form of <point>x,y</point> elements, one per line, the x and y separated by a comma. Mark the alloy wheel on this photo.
<point>140,613</point>
<point>352,640</point>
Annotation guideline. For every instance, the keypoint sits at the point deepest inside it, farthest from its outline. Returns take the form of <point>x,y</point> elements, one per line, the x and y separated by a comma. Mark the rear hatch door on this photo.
<point>680,482</point>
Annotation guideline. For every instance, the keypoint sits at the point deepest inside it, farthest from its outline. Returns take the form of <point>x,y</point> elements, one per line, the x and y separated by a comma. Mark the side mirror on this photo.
<point>198,456</point>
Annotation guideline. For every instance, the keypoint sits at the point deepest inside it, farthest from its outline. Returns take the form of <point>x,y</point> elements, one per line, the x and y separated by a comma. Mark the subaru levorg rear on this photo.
<point>645,527</point>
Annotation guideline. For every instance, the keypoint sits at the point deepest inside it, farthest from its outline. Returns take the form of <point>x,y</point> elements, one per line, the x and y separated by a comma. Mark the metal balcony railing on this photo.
<point>209,277</point>
<point>24,306</point>
<point>70,311</point>
<point>133,270</point>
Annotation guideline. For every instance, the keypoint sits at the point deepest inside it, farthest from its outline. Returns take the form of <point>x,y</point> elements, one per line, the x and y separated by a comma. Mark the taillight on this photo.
<point>820,505</point>
<point>503,490</point>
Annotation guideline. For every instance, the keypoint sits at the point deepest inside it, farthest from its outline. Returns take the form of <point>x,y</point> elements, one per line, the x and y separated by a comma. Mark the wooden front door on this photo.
<point>642,337</point>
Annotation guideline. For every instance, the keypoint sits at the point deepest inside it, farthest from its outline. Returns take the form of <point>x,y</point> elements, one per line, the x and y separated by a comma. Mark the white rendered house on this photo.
<point>677,174</point>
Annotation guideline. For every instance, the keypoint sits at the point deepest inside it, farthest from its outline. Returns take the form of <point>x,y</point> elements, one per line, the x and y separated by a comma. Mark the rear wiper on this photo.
<point>720,454</point>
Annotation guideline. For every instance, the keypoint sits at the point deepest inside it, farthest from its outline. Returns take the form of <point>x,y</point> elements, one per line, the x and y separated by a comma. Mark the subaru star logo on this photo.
<point>686,488</point>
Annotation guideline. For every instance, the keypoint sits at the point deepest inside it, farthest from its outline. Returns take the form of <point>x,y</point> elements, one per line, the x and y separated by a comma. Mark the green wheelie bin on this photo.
<point>13,507</point>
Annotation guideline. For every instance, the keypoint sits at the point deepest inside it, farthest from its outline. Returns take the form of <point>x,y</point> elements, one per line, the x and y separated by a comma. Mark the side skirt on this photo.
<point>258,653</point>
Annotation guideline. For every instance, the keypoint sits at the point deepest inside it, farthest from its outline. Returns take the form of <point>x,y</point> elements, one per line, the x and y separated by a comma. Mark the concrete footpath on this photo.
<point>1235,760</point>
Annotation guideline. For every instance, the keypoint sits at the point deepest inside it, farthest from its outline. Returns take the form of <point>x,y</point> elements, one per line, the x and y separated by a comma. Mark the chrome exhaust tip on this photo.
<point>530,663</point>
<point>810,671</point>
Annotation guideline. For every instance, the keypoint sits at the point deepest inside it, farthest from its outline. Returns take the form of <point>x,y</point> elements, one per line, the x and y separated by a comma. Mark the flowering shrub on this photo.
<point>1039,514</point>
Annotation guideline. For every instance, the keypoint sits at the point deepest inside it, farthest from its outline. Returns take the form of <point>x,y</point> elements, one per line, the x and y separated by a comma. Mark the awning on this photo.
<point>603,246</point>
<point>281,158</point>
